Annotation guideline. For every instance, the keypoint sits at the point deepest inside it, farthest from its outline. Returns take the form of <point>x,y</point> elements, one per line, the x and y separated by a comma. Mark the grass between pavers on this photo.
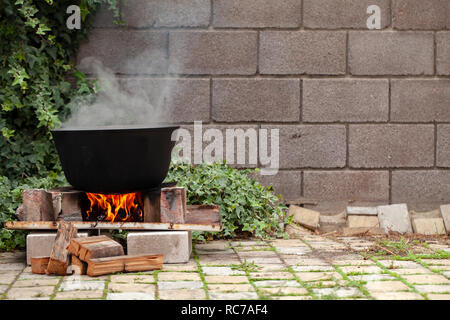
<point>200,271</point>
<point>58,285</point>
<point>353,283</point>
<point>105,289</point>
<point>4,295</point>
<point>155,276</point>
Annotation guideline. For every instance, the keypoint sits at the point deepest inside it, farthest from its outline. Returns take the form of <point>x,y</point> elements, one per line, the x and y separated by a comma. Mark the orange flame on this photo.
<point>117,207</point>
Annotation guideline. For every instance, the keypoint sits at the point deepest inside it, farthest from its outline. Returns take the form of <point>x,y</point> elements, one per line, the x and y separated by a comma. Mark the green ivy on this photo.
<point>245,205</point>
<point>36,55</point>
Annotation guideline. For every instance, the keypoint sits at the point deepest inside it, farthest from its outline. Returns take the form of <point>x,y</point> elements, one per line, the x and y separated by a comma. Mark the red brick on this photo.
<point>390,146</point>
<point>213,52</point>
<point>302,52</point>
<point>420,100</point>
<point>391,53</point>
<point>443,53</point>
<point>345,100</point>
<point>421,14</point>
<point>257,13</point>
<point>443,145</point>
<point>339,14</point>
<point>347,185</point>
<point>311,146</point>
<point>256,100</point>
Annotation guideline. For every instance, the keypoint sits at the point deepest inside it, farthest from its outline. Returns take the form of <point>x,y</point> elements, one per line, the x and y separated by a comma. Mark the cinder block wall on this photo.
<point>364,115</point>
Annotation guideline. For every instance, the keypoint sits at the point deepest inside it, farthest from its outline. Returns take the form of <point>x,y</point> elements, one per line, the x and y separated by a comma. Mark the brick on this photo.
<point>362,222</point>
<point>421,15</point>
<point>40,244</point>
<point>339,185</point>
<point>338,14</point>
<point>166,13</point>
<point>428,226</point>
<point>182,100</point>
<point>305,217</point>
<point>257,13</point>
<point>345,100</point>
<point>286,183</point>
<point>420,100</point>
<point>124,51</point>
<point>443,53</point>
<point>395,218</point>
<point>213,52</point>
<point>174,245</point>
<point>311,146</point>
<point>445,212</point>
<point>443,145</point>
<point>422,189</point>
<point>391,53</point>
<point>390,146</point>
<point>302,52</point>
<point>264,100</point>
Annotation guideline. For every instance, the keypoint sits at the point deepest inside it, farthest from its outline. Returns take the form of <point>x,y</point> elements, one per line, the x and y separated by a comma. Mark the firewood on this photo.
<point>78,267</point>
<point>37,206</point>
<point>107,248</point>
<point>75,244</point>
<point>39,264</point>
<point>136,263</point>
<point>59,258</point>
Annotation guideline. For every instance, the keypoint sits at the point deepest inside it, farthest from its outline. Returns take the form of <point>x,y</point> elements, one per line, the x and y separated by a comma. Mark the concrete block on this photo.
<point>302,52</point>
<point>363,221</point>
<point>287,183</point>
<point>391,53</point>
<point>213,52</point>
<point>305,217</point>
<point>443,145</point>
<point>420,14</point>
<point>428,226</point>
<point>40,244</point>
<point>364,211</point>
<point>268,100</point>
<point>340,14</point>
<point>445,212</point>
<point>395,218</point>
<point>443,53</point>
<point>176,246</point>
<point>420,100</point>
<point>345,100</point>
<point>390,146</point>
<point>257,13</point>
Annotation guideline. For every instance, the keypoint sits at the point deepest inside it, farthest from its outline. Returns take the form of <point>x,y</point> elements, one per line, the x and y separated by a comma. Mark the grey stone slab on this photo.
<point>171,285</point>
<point>445,212</point>
<point>395,218</point>
<point>364,211</point>
<point>130,296</point>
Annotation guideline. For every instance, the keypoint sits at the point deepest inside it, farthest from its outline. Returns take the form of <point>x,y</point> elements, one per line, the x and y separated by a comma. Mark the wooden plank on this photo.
<point>75,244</point>
<point>39,264</point>
<point>136,263</point>
<point>101,249</point>
<point>59,258</point>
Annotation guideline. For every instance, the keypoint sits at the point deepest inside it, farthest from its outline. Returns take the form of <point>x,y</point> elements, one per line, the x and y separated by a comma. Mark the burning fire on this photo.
<point>115,207</point>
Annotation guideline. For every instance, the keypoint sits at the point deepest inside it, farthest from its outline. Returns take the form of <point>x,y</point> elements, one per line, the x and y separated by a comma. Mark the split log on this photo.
<point>39,264</point>
<point>78,267</point>
<point>75,244</point>
<point>107,248</point>
<point>136,263</point>
<point>59,258</point>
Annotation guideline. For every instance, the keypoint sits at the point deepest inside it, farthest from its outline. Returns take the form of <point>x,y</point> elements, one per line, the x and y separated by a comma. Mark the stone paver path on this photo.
<point>314,267</point>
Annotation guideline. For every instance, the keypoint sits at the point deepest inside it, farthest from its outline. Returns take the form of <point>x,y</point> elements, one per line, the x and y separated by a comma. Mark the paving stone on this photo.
<point>180,267</point>
<point>361,221</point>
<point>246,243</point>
<point>293,298</point>
<point>82,295</point>
<point>397,296</point>
<point>362,269</point>
<point>134,287</point>
<point>125,278</point>
<point>411,271</point>
<point>277,283</point>
<point>184,294</point>
<point>432,296</point>
<point>263,260</point>
<point>176,246</point>
<point>445,212</point>
<point>305,217</point>
<point>312,268</point>
<point>386,286</point>
<point>427,279</point>
<point>364,211</point>
<point>26,293</point>
<point>395,264</point>
<point>340,293</point>
<point>221,271</point>
<point>442,262</point>
<point>428,226</point>
<point>430,288</point>
<point>81,285</point>
<point>177,276</point>
<point>284,290</point>
<point>172,285</point>
<point>316,276</point>
<point>293,250</point>
<point>226,279</point>
<point>36,283</point>
<point>371,277</point>
<point>271,275</point>
<point>269,268</point>
<point>326,284</point>
<point>3,288</point>
<point>230,287</point>
<point>296,231</point>
<point>130,296</point>
<point>355,262</point>
<point>12,267</point>
<point>233,296</point>
<point>395,218</point>
<point>7,279</point>
<point>213,245</point>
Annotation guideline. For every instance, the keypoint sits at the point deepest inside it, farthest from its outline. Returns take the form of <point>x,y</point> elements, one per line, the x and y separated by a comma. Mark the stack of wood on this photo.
<point>93,256</point>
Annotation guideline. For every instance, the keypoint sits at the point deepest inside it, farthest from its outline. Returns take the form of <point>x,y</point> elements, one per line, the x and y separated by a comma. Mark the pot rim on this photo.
<point>157,126</point>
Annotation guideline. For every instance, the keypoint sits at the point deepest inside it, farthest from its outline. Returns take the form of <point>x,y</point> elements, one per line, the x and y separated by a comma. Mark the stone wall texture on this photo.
<point>364,115</point>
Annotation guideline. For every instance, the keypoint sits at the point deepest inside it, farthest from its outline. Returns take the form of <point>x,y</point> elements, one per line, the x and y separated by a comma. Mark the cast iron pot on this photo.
<point>115,159</point>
